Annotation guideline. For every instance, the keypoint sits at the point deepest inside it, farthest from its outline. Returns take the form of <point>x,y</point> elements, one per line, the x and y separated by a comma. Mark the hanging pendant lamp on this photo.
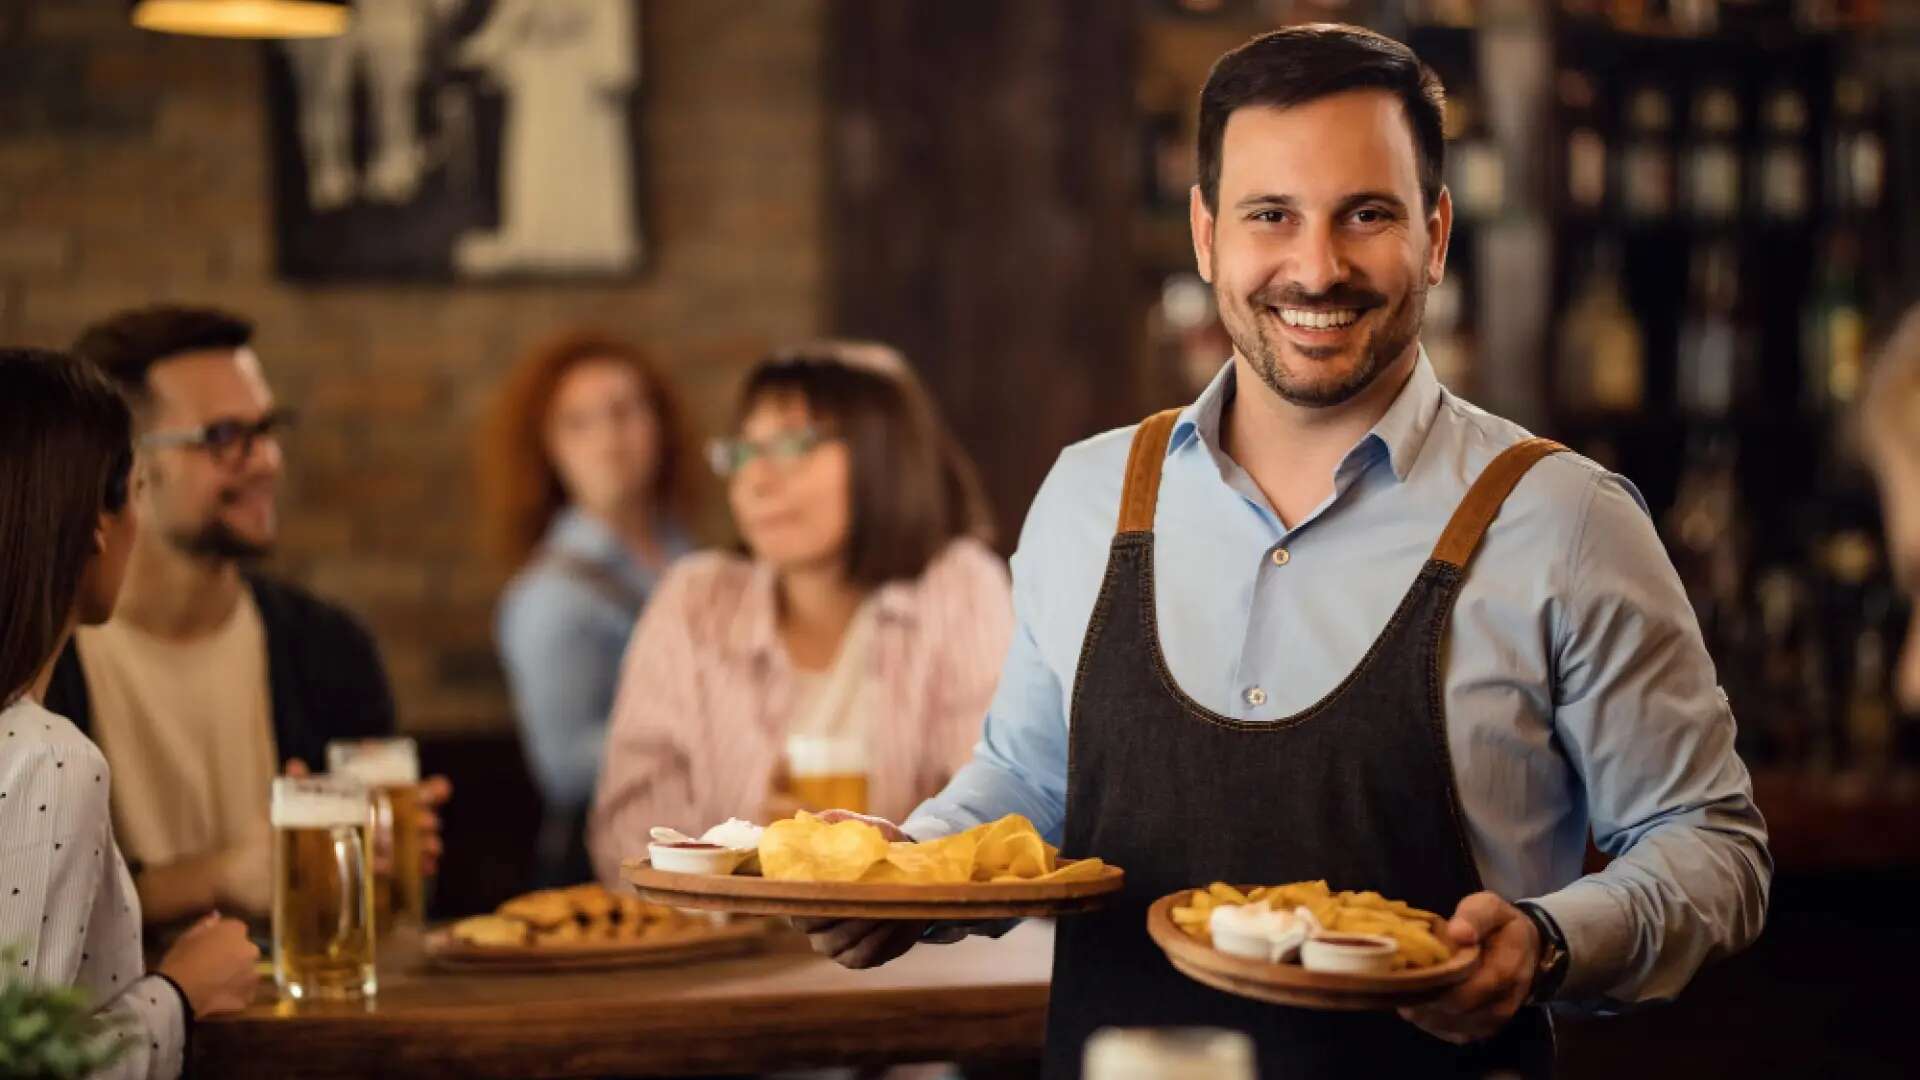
<point>244,18</point>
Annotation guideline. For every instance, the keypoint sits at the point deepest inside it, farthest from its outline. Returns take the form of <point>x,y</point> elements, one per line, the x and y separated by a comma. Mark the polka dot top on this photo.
<point>67,903</point>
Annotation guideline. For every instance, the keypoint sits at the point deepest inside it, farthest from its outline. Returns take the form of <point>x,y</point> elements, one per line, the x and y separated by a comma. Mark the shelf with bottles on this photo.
<point>1749,140</point>
<point>1703,22</point>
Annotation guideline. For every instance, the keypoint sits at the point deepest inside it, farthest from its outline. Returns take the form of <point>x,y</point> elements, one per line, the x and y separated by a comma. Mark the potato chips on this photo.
<point>1350,912</point>
<point>804,848</point>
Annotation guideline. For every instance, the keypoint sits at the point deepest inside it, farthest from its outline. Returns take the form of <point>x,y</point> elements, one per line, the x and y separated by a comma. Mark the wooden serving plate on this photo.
<point>693,942</point>
<point>850,900</point>
<point>1291,984</point>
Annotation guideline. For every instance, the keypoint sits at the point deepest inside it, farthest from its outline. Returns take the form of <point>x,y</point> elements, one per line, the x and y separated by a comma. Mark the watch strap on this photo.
<point>1551,970</point>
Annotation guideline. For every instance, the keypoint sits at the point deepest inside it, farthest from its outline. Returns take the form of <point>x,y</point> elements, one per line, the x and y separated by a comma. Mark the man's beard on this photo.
<point>1250,335</point>
<point>214,540</point>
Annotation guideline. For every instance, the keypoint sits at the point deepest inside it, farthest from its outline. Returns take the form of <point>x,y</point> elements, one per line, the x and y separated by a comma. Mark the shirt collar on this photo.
<point>755,630</point>
<point>1400,433</point>
<point>1404,429</point>
<point>577,534</point>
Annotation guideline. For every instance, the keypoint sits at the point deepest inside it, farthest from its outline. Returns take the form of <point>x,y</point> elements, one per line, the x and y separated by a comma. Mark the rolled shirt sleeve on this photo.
<point>1643,722</point>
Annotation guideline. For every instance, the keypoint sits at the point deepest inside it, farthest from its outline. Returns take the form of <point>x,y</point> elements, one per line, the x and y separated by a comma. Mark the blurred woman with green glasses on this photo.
<point>844,656</point>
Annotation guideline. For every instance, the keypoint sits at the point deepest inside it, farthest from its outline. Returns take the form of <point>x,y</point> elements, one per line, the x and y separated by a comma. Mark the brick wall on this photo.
<point>133,168</point>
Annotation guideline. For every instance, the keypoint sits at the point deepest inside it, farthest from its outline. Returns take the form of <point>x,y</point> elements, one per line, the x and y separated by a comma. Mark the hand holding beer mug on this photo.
<point>322,889</point>
<point>390,769</point>
<point>828,772</point>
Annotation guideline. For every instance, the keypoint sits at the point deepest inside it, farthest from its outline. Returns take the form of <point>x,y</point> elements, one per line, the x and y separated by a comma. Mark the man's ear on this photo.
<point>1439,235</point>
<point>1201,220</point>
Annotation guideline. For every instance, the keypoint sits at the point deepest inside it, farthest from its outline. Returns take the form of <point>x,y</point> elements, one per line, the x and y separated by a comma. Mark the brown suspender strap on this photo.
<point>1142,494</point>
<point>1485,498</point>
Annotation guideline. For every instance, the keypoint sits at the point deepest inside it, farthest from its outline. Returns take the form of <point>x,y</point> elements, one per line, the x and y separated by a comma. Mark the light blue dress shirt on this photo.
<point>1579,694</point>
<point>562,638</point>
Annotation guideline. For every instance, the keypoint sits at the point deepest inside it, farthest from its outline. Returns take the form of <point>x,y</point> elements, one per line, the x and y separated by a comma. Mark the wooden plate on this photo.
<point>695,941</point>
<point>850,900</point>
<point>1291,984</point>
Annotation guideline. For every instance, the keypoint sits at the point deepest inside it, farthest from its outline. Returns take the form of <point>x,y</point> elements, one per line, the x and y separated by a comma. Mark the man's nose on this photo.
<point>1317,264</point>
<point>264,457</point>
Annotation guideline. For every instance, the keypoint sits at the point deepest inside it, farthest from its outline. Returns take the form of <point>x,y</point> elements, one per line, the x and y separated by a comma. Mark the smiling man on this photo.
<point>211,678</point>
<point>1331,621</point>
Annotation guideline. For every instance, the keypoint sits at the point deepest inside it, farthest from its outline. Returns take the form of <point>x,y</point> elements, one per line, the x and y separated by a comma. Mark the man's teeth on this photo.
<point>1318,320</point>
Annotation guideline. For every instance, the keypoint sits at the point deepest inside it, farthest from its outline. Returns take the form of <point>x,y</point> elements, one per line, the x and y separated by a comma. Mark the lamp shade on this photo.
<point>244,18</point>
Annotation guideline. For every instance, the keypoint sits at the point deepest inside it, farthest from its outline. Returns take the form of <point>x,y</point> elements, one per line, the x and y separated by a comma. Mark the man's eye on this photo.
<point>1269,217</point>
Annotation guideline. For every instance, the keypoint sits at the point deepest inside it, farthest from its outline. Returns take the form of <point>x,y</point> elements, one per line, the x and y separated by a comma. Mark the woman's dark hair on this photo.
<point>914,490</point>
<point>66,454</point>
<point>1298,64</point>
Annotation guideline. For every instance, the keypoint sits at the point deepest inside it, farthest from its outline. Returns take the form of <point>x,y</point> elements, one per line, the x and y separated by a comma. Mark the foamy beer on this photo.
<point>390,768</point>
<point>828,772</point>
<point>322,889</point>
<point>1168,1054</point>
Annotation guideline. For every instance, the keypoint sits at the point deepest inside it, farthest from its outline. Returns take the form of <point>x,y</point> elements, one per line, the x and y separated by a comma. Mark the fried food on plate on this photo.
<point>493,931</point>
<point>582,913</point>
<point>804,848</point>
<point>1366,912</point>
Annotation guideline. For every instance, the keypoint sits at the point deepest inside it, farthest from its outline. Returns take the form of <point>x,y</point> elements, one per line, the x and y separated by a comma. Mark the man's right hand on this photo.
<point>213,963</point>
<point>862,943</point>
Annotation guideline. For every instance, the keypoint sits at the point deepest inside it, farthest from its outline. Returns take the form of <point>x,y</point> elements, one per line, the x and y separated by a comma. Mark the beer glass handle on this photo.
<point>352,870</point>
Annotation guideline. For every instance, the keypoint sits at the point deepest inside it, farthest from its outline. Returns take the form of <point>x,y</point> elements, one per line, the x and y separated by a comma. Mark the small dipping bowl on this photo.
<point>1254,931</point>
<point>1349,954</point>
<point>1253,946</point>
<point>696,858</point>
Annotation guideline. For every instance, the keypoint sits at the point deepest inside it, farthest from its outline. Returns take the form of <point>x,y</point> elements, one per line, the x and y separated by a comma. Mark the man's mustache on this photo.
<point>230,495</point>
<point>1340,295</point>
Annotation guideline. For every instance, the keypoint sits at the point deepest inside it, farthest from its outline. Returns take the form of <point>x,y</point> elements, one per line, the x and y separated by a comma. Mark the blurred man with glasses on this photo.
<point>211,679</point>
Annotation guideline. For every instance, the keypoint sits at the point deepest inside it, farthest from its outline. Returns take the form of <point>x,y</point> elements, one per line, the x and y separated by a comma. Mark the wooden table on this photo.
<point>979,1000</point>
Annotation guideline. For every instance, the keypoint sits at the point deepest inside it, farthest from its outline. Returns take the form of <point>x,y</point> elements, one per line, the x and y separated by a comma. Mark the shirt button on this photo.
<point>1256,697</point>
<point>1280,557</point>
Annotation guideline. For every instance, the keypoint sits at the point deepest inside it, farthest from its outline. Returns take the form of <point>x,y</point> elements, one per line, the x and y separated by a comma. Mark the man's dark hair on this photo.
<point>128,344</point>
<point>1299,64</point>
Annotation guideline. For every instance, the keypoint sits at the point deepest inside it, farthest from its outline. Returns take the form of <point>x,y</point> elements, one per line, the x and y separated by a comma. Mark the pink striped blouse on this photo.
<point>706,693</point>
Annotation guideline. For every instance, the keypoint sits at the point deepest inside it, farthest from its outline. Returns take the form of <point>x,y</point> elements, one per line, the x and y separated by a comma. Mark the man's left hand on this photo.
<point>1509,954</point>
<point>434,793</point>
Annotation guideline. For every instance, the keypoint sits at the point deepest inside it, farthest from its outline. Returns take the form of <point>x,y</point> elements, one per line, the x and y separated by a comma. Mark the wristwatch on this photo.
<point>1551,969</point>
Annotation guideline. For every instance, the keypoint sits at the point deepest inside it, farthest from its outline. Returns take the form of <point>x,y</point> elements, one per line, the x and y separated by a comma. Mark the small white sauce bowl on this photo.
<point>1235,943</point>
<point>720,861</point>
<point>1349,954</point>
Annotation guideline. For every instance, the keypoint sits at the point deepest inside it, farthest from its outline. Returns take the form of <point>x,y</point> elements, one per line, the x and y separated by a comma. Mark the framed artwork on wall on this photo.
<point>460,140</point>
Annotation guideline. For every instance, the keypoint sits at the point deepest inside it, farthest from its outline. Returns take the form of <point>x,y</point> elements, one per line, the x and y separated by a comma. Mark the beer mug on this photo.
<point>1168,1054</point>
<point>390,769</point>
<point>828,772</point>
<point>322,889</point>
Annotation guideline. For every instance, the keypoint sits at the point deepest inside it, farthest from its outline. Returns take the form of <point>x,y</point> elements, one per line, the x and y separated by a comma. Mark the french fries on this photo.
<point>1364,912</point>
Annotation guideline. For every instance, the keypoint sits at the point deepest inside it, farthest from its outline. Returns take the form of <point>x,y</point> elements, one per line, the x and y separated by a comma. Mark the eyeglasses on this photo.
<point>729,456</point>
<point>228,442</point>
